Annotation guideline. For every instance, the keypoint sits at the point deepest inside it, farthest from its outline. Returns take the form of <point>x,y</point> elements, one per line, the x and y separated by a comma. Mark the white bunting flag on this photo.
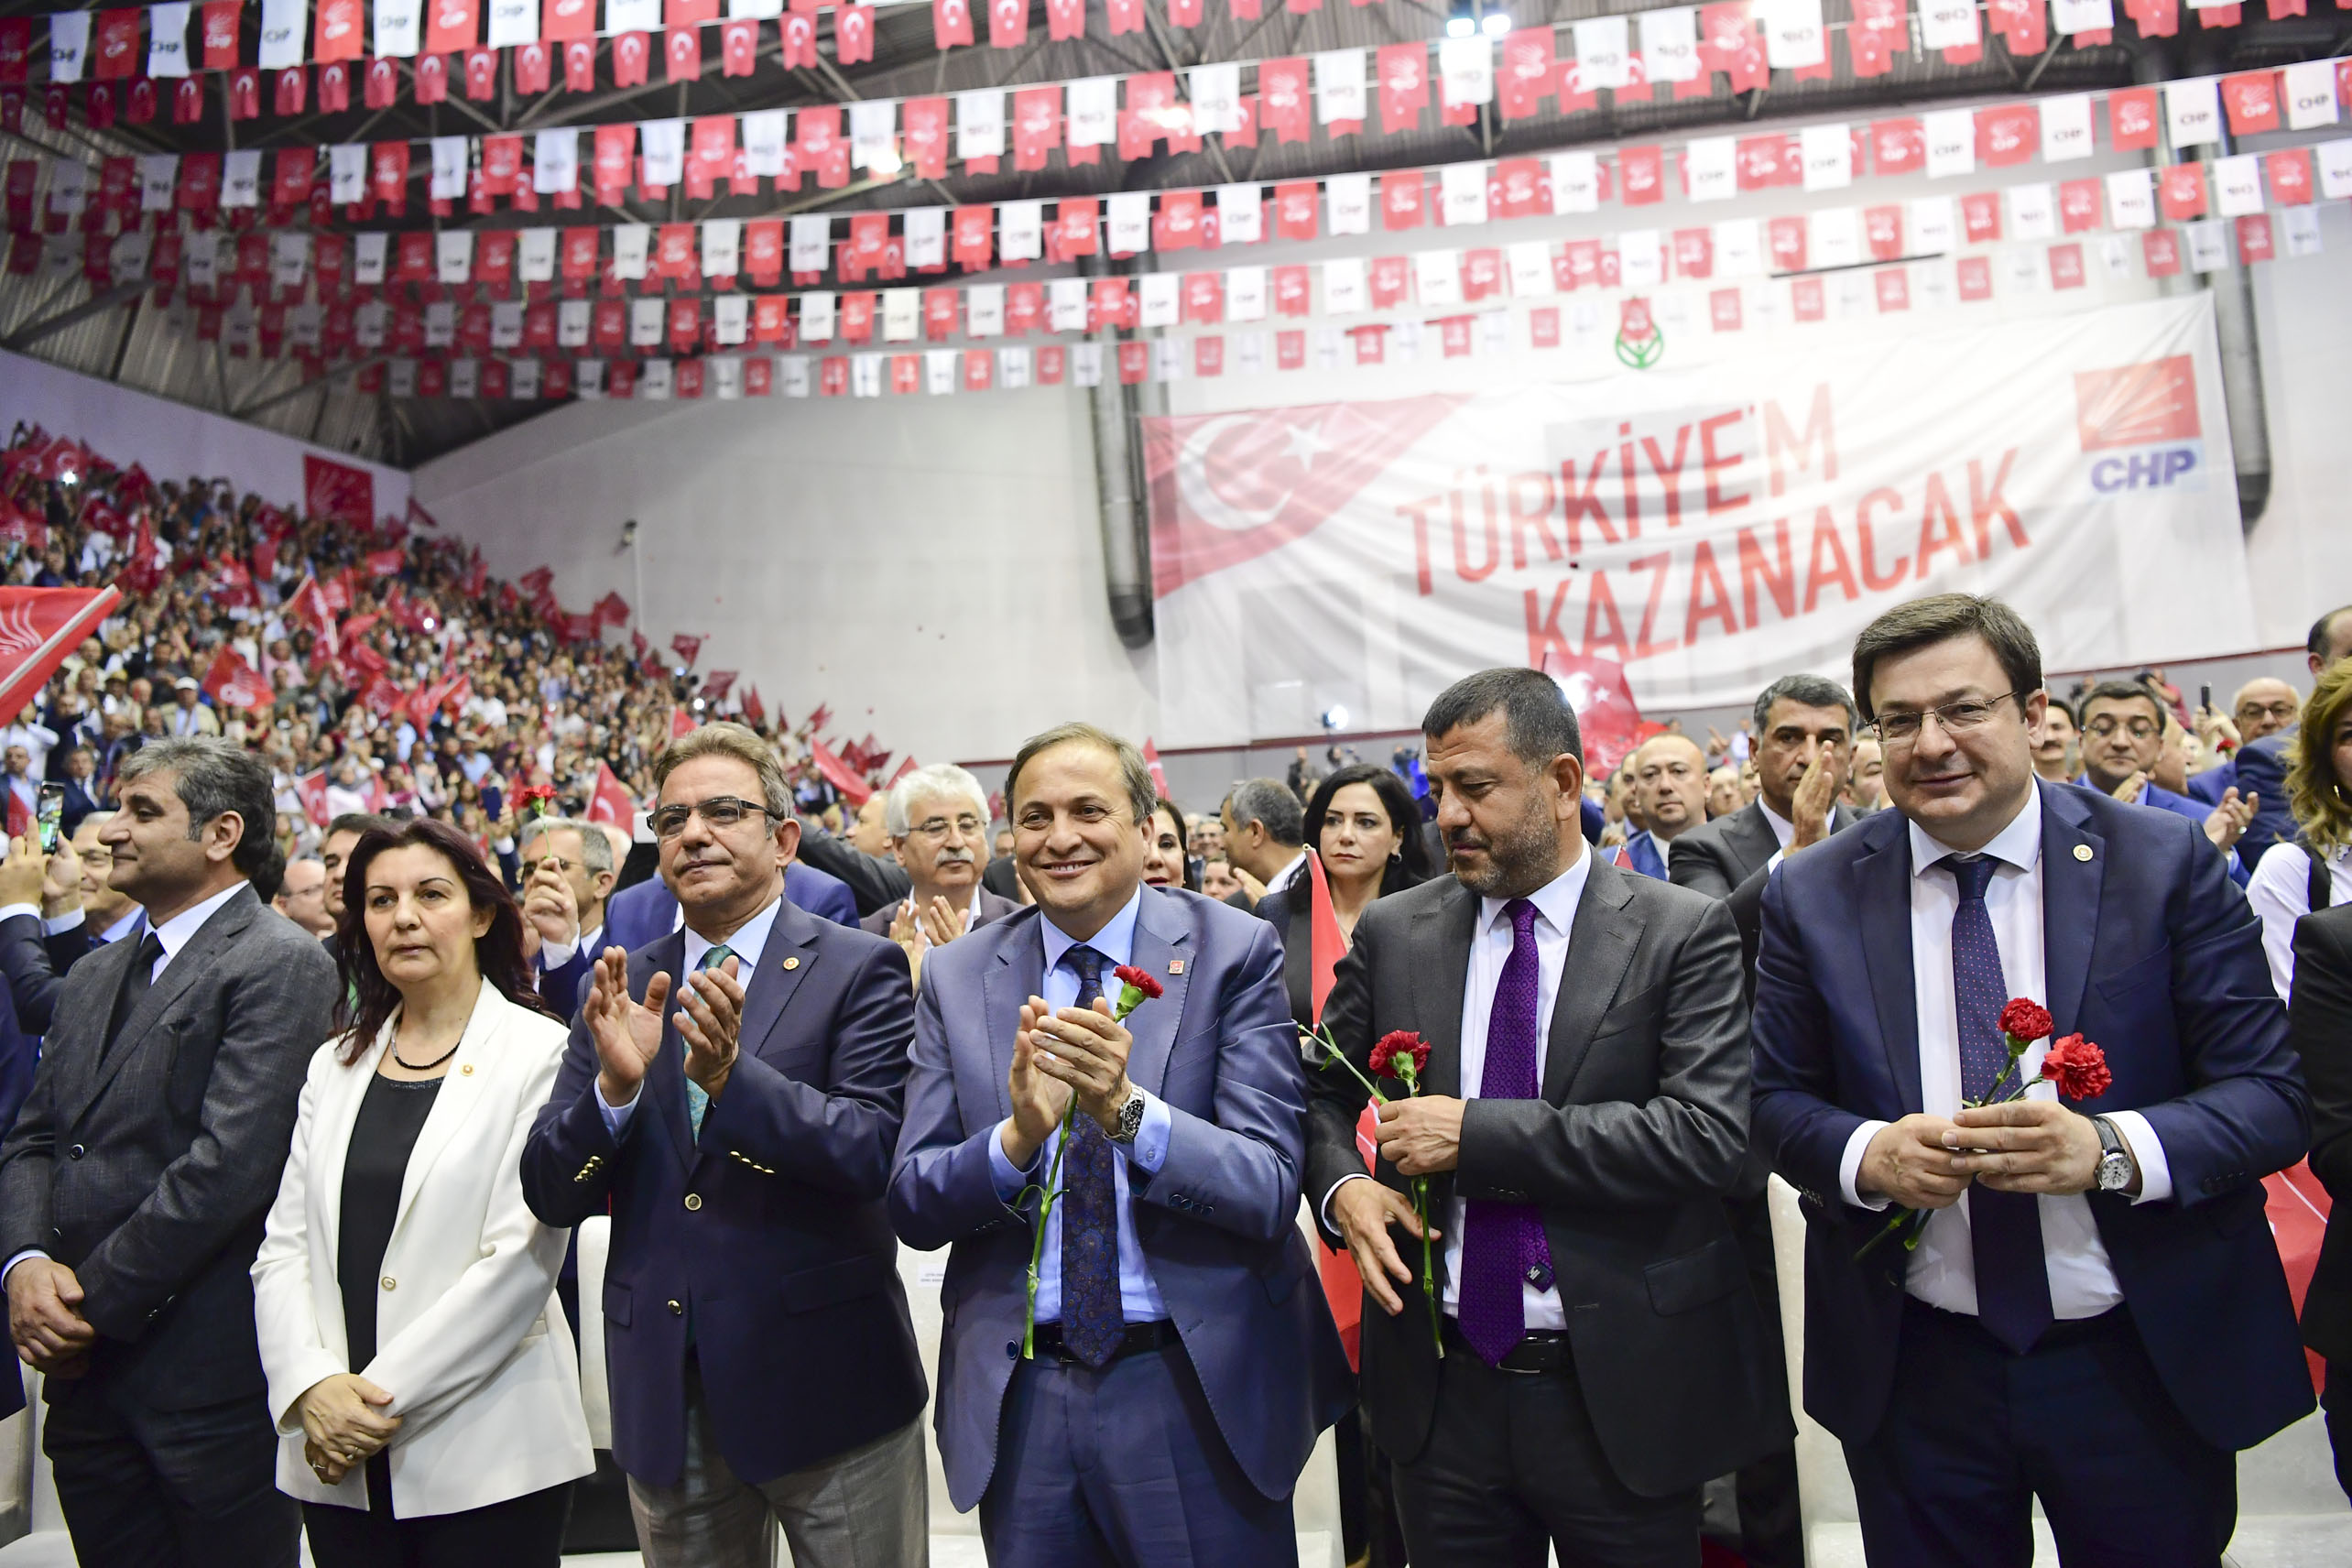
<point>1339,85</point>
<point>1947,24</point>
<point>1530,267</point>
<point>1950,136</point>
<point>1641,261</point>
<point>555,160</point>
<point>2131,199</point>
<point>2033,211</point>
<point>1739,249</point>
<point>1092,108</point>
<point>1793,34</point>
<point>1216,97</point>
<point>818,314</point>
<point>1462,193</point>
<point>453,257</point>
<point>1437,277</point>
<point>811,246</point>
<point>159,174</point>
<point>282,33</point>
<point>1020,230</point>
<point>1711,167</point>
<point>168,39</point>
<point>535,258</point>
<point>1127,225</point>
<point>1466,67</point>
<point>662,144</point>
<point>2311,94</point>
<point>1345,292</point>
<point>1604,55</point>
<point>1240,214</point>
<point>1013,368</point>
<point>1158,299</point>
<point>980,123</point>
<point>902,314</point>
<point>2208,245</point>
<point>873,135</point>
<point>761,135</point>
<point>398,25</point>
<point>1244,293</point>
<point>2192,113</point>
<point>926,236</point>
<point>572,322</point>
<point>2066,128</point>
<point>793,375</point>
<point>1669,44</point>
<point>1575,182</point>
<point>2302,225</point>
<point>449,169</point>
<point>1065,305</point>
<point>984,311</point>
<point>367,258</point>
<point>2071,17</point>
<point>632,242</point>
<point>722,247</point>
<point>1349,196</point>
<point>2335,160</point>
<point>240,178</point>
<point>2236,185</point>
<point>1827,157</point>
<point>1927,221</point>
<point>513,22</point>
<point>68,45</point>
<point>506,323</point>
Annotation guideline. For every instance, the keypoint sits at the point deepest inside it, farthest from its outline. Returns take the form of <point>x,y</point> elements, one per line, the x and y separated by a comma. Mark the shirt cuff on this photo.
<point>1009,1180</point>
<point>556,955</point>
<point>2148,1151</point>
<point>10,911</point>
<point>617,1117</point>
<point>28,1252</point>
<point>1322,1211</point>
<point>1850,1166</point>
<point>1774,864</point>
<point>1148,1152</point>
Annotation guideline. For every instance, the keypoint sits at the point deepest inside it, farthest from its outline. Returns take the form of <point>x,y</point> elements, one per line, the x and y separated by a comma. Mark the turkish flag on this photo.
<point>682,49</point>
<point>609,802</point>
<point>839,774</point>
<point>951,23</point>
<point>1606,714</point>
<point>579,65</point>
<point>38,627</point>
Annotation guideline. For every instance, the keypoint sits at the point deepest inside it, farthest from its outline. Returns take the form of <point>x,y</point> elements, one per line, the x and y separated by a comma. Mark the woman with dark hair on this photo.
<point>1165,862</point>
<point>420,1372</point>
<point>1364,829</point>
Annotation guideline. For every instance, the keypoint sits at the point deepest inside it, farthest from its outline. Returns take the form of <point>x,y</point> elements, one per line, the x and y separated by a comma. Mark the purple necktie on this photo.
<point>2004,1229</point>
<point>1502,1243</point>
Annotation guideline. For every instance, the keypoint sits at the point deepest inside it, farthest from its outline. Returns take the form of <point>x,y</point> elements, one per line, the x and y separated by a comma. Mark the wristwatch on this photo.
<point>2116,1168</point>
<point>1130,1120</point>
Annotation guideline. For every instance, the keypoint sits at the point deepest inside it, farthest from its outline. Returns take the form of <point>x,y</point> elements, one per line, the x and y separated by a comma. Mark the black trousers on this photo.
<point>147,1488</point>
<point>1513,1464</point>
<point>1973,1434</point>
<point>2335,1401</point>
<point>521,1533</point>
<point>1771,1523</point>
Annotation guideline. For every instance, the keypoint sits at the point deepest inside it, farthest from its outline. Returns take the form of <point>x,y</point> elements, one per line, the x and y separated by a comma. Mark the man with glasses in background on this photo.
<point>740,1127</point>
<point>2263,706</point>
<point>2123,731</point>
<point>937,820</point>
<point>2079,1302</point>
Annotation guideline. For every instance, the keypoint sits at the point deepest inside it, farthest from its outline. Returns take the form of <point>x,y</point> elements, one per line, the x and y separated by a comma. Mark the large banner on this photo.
<point>1710,529</point>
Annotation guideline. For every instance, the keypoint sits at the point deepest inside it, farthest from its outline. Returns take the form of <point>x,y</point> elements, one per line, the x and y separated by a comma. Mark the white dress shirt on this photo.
<point>749,941</point>
<point>909,907</point>
<point>556,955</point>
<point>2280,894</point>
<point>1784,830</point>
<point>1139,1299</point>
<point>1289,873</point>
<point>1942,1270</point>
<point>1491,941</point>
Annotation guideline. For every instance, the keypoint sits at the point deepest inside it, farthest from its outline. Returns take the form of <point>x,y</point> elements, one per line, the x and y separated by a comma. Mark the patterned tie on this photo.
<point>1093,1319</point>
<point>697,1101</point>
<point>1503,1244</point>
<point>2004,1229</point>
<point>136,980</point>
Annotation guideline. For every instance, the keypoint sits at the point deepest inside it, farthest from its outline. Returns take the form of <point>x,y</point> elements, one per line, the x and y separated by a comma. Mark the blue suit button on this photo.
<point>1013,1349</point>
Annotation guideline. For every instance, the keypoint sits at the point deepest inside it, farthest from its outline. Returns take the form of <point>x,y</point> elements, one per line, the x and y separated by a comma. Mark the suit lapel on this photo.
<point>1751,835</point>
<point>2071,884</point>
<point>186,968</point>
<point>1162,938</point>
<point>1601,942</point>
<point>1017,975</point>
<point>455,1100</point>
<point>793,936</point>
<point>1441,955</point>
<point>1881,888</point>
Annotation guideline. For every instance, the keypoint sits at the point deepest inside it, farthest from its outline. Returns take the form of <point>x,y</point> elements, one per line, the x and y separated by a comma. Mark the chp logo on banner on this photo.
<point>337,490</point>
<point>234,683</point>
<point>1708,525</point>
<point>38,627</point>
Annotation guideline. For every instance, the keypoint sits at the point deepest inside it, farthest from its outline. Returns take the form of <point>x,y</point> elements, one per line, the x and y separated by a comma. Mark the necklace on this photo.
<point>425,1066</point>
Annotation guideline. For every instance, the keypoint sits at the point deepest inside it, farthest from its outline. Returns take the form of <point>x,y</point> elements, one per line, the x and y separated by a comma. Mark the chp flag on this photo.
<point>231,682</point>
<point>1706,525</point>
<point>38,627</point>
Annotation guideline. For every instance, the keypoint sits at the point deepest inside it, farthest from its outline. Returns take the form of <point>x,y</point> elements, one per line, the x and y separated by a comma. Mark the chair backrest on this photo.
<point>595,1240</point>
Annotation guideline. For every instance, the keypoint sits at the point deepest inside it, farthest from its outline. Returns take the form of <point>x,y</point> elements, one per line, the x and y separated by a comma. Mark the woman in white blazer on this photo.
<point>420,1371</point>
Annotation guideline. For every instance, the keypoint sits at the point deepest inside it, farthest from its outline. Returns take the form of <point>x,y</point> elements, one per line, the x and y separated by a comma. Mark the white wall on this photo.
<point>876,554</point>
<point>170,441</point>
<point>931,568</point>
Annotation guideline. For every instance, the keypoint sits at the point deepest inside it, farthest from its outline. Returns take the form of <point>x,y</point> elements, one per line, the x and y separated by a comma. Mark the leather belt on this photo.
<point>1158,1335</point>
<point>1544,1352</point>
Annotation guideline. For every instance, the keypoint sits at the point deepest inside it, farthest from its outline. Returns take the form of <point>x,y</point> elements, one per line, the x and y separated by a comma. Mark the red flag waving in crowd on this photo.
<point>38,627</point>
<point>232,683</point>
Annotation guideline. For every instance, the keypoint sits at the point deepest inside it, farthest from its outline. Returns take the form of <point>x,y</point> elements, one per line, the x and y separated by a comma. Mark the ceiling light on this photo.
<point>1494,24</point>
<point>1462,19</point>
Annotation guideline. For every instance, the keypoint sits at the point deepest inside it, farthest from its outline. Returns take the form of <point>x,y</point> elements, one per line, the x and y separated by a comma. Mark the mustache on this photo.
<point>954,858</point>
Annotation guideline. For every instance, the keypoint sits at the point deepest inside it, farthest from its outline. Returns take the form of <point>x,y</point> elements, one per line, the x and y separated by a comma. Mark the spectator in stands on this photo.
<point>938,823</point>
<point>302,896</point>
<point>427,1391</point>
<point>1165,863</point>
<point>133,1183</point>
<point>2320,1029</point>
<point>2313,869</point>
<point>33,738</point>
<point>1670,783</point>
<point>1865,777</point>
<point>190,714</point>
<point>2263,707</point>
<point>1208,835</point>
<point>2123,732</point>
<point>870,833</point>
<point>1263,819</point>
<point>1723,791</point>
<point>2263,764</point>
<point>2106,1320</point>
<point>569,876</point>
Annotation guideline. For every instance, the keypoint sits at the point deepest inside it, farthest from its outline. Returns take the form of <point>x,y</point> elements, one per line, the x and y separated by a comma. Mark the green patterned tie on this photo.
<point>697,1101</point>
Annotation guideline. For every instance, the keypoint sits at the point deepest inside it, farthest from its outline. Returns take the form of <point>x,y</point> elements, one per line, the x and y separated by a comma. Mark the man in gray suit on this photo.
<point>937,820</point>
<point>134,1184</point>
<point>1184,1359</point>
<point>1583,1111</point>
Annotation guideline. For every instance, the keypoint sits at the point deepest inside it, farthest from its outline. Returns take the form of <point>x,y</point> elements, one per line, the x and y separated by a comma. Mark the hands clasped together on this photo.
<point>1076,1051</point>
<point>2018,1145</point>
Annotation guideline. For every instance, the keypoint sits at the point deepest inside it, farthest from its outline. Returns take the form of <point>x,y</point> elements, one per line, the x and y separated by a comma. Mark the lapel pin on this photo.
<point>791,964</point>
<point>2082,852</point>
<point>1175,967</point>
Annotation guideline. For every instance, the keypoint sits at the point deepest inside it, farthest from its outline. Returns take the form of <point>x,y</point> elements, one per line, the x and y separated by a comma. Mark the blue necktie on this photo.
<point>1503,1245</point>
<point>698,1101</point>
<point>1093,1319</point>
<point>2004,1229</point>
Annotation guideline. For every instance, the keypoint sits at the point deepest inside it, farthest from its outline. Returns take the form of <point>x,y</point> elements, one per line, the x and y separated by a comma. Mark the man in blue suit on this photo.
<point>638,914</point>
<point>1184,1359</point>
<point>2265,705</point>
<point>2091,1311</point>
<point>1670,782</point>
<point>2123,731</point>
<point>740,1128</point>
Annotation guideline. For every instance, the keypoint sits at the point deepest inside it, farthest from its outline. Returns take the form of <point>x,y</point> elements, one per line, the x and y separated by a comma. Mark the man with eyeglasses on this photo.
<point>2264,706</point>
<point>938,819</point>
<point>2123,733</point>
<point>739,1125</point>
<point>2081,1303</point>
<point>569,874</point>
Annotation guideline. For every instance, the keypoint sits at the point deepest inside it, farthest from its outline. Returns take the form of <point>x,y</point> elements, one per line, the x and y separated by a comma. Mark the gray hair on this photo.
<point>1143,798</point>
<point>213,778</point>
<point>595,849</point>
<point>1806,691</point>
<point>728,739</point>
<point>1271,801</point>
<point>922,784</point>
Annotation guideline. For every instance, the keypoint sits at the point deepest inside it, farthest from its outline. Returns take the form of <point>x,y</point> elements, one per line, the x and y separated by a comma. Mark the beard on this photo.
<point>1521,858</point>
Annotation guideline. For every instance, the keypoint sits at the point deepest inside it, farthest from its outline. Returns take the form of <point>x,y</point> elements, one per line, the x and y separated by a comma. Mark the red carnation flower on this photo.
<point>2078,1067</point>
<point>2025,1019</point>
<point>1128,975</point>
<point>1396,1043</point>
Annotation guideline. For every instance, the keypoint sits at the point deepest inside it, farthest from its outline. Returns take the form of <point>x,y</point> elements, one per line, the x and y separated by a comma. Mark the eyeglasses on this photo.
<point>719,812</point>
<point>1968,714</point>
<point>2284,712</point>
<point>2102,728</point>
<point>936,827</point>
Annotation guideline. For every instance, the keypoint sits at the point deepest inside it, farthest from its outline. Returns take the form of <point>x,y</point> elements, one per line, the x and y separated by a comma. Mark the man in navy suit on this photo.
<point>740,1128</point>
<point>638,914</point>
<point>1184,1359</point>
<point>2093,1312</point>
<point>2263,706</point>
<point>2123,731</point>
